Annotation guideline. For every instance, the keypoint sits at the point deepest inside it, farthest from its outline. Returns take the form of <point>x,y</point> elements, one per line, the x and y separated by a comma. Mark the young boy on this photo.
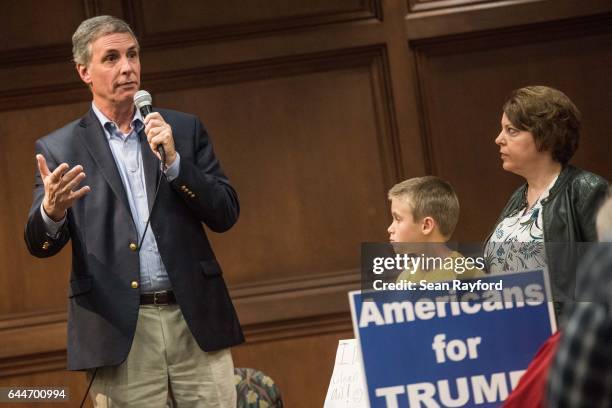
<point>425,211</point>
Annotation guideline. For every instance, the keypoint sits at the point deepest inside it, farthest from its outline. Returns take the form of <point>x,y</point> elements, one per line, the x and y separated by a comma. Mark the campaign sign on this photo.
<point>452,344</point>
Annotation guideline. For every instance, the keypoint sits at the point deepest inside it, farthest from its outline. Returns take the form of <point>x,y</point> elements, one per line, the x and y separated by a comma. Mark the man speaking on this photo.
<point>149,311</point>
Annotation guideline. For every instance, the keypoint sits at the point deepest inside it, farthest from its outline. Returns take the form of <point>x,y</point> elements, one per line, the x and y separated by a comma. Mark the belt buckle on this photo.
<point>159,294</point>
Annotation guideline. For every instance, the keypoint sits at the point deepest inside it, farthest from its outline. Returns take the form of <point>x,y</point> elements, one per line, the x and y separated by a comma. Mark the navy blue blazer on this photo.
<point>103,304</point>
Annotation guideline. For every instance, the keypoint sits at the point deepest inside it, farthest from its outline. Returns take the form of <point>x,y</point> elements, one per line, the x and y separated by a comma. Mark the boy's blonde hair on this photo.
<point>430,196</point>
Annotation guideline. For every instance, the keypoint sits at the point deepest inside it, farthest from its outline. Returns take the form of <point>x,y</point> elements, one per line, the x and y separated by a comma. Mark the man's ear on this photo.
<point>84,73</point>
<point>427,225</point>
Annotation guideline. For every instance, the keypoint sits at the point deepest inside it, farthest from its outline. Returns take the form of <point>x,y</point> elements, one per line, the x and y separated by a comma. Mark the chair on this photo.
<point>256,390</point>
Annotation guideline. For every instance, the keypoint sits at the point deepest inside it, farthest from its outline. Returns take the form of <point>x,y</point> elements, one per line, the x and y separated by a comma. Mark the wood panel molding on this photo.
<point>415,6</point>
<point>278,309</point>
<point>54,94</point>
<point>296,298</point>
<point>135,10</point>
<point>35,55</point>
<point>51,66</point>
<point>46,54</point>
<point>374,57</point>
<point>92,8</point>
<point>265,68</point>
<point>132,12</point>
<point>498,15</point>
<point>515,35</point>
<point>425,49</point>
<point>71,92</point>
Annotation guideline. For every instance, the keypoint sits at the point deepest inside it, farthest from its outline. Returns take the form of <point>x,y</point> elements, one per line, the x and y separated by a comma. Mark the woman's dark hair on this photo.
<point>550,116</point>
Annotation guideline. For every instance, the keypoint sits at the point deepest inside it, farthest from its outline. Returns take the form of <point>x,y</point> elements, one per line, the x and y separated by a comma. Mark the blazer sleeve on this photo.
<point>204,187</point>
<point>38,241</point>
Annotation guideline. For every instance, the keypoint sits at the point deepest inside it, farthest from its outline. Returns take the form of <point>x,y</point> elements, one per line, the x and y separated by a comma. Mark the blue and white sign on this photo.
<point>455,344</point>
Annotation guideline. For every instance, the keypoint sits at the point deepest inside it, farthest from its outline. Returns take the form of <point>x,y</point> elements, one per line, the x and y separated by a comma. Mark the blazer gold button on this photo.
<point>133,246</point>
<point>46,245</point>
<point>183,188</point>
<point>134,285</point>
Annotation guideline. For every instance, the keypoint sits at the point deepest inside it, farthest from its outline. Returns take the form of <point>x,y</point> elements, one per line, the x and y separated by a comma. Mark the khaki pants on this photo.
<point>165,363</point>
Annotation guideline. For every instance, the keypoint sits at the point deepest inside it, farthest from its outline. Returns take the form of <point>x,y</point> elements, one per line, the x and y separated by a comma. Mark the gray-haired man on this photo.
<point>148,307</point>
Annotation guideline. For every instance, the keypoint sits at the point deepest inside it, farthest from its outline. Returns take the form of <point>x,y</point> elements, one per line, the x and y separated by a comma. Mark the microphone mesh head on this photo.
<point>142,98</point>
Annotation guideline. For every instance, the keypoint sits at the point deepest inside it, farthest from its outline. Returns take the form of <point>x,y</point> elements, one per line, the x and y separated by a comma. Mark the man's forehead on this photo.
<point>114,41</point>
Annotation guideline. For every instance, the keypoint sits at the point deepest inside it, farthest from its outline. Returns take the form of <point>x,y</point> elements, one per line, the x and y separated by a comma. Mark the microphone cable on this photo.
<point>88,387</point>
<point>163,175</point>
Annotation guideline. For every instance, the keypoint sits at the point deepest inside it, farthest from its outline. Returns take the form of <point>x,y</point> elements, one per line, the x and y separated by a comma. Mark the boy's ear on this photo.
<point>427,225</point>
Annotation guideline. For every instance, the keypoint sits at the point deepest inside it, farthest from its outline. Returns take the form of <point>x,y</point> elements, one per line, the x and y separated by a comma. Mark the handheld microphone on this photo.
<point>144,103</point>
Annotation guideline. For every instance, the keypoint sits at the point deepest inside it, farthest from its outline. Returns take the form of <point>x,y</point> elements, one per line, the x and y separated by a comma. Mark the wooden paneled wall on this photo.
<point>316,107</point>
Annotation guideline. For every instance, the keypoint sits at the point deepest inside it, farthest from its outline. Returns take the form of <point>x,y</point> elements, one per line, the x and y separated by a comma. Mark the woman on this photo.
<point>540,128</point>
<point>539,135</point>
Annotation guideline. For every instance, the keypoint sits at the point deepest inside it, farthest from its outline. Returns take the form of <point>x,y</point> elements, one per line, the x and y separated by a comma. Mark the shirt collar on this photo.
<point>137,121</point>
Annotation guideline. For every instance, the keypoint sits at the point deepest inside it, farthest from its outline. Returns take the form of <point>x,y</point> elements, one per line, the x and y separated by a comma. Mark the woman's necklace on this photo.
<point>537,200</point>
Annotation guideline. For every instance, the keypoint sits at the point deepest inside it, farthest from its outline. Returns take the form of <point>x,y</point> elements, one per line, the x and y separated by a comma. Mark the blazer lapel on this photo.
<point>92,136</point>
<point>151,168</point>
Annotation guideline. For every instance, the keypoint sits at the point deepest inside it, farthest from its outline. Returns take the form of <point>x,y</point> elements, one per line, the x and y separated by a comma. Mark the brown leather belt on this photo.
<point>164,297</point>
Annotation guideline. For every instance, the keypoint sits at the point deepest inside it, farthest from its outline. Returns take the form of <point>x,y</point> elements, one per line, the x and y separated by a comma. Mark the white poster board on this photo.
<point>347,386</point>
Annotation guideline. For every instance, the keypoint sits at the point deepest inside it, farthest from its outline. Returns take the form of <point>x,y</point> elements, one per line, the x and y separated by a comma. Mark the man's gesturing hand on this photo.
<point>59,187</point>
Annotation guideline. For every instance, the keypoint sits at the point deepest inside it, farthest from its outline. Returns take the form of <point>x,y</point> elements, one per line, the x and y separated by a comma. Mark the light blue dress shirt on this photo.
<point>126,150</point>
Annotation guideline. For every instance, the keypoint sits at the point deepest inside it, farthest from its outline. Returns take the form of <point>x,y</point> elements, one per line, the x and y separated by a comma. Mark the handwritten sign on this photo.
<point>347,387</point>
